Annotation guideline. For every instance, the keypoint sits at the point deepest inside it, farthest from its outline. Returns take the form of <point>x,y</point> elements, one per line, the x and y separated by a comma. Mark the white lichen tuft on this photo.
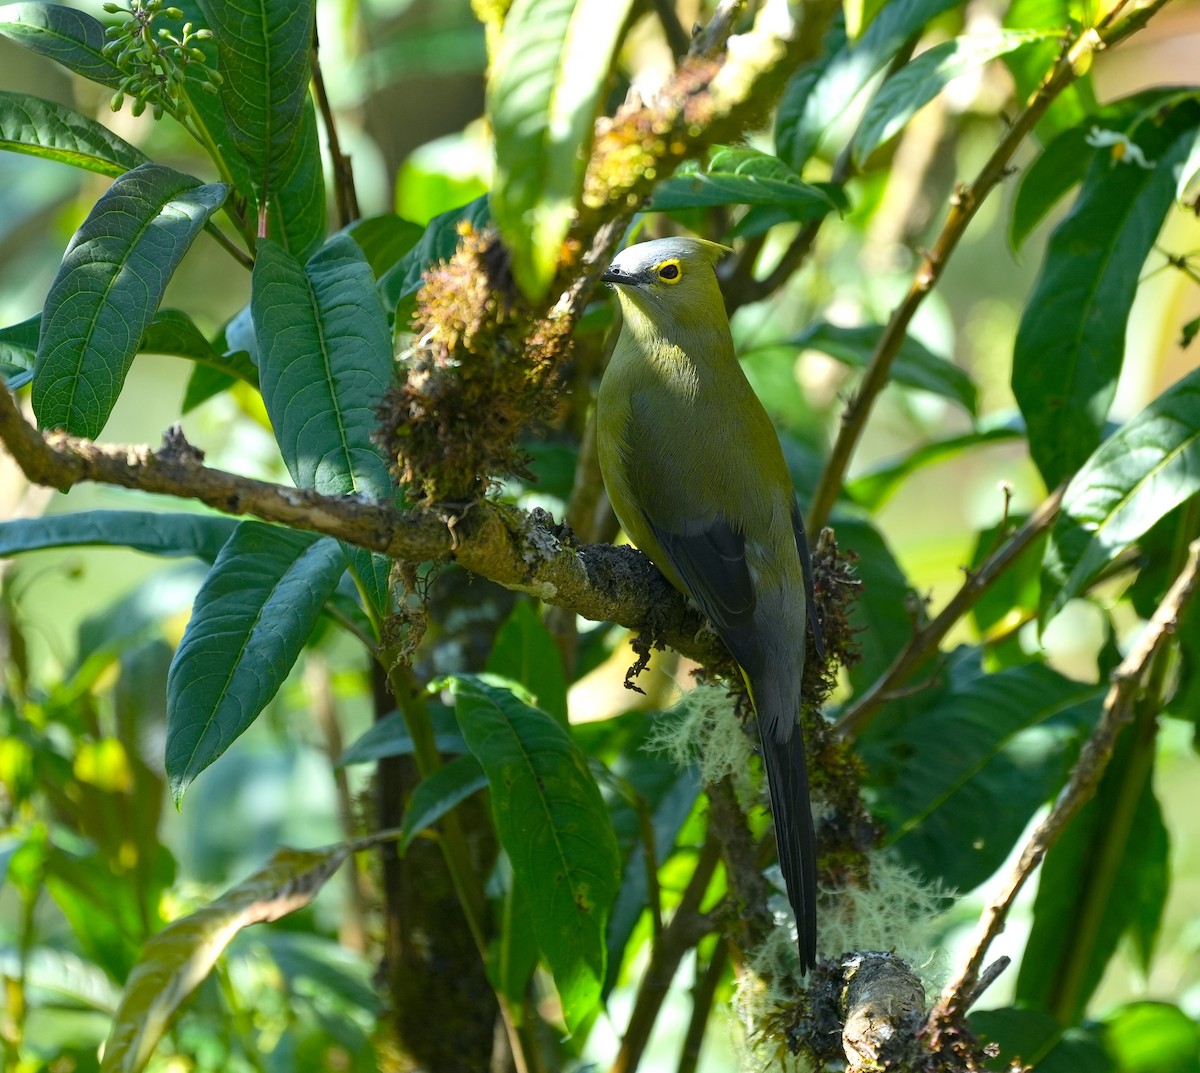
<point>897,912</point>
<point>704,729</point>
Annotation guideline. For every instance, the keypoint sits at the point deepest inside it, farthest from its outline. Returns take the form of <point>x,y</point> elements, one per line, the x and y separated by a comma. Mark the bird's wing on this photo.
<point>814,622</point>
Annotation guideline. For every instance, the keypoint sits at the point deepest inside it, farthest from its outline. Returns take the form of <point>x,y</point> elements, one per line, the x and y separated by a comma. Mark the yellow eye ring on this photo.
<point>670,271</point>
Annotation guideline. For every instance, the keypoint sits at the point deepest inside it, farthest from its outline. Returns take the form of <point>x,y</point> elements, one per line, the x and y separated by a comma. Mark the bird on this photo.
<point>697,479</point>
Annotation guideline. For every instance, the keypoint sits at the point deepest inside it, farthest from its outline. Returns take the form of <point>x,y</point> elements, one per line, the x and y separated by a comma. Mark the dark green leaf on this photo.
<point>265,47</point>
<point>399,284</point>
<point>1065,161</point>
<point>171,535</point>
<point>107,290</point>
<point>525,652</point>
<point>543,94</point>
<point>53,131</point>
<point>914,366</point>
<point>1071,341</point>
<point>921,80</point>
<point>390,737</point>
<point>65,35</point>
<point>873,488</point>
<point>552,822</point>
<point>1029,1038</point>
<point>250,621</point>
<point>385,239</point>
<point>1137,476</point>
<point>960,778</point>
<point>1106,875</point>
<point>811,105</point>
<point>739,176</point>
<point>18,351</point>
<point>438,793</point>
<point>325,361</point>
<point>296,204</point>
<point>174,333</point>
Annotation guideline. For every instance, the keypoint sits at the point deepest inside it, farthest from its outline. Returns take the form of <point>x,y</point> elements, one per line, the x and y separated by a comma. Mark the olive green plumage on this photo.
<point>697,479</point>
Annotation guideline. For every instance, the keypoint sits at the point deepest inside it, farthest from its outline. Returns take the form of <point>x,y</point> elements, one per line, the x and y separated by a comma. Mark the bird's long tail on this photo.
<point>787,783</point>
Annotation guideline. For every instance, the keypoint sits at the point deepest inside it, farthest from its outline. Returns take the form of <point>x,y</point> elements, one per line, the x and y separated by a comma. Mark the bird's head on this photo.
<point>669,277</point>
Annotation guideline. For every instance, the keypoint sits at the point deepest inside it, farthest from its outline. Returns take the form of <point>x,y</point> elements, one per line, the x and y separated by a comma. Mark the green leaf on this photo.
<point>176,961</point>
<point>1065,161</point>
<point>107,289</point>
<point>1031,1038</point>
<point>170,535</point>
<point>873,488</point>
<point>959,779</point>
<point>46,129</point>
<point>18,351</point>
<point>553,824</point>
<point>296,203</point>
<point>1152,1037</point>
<point>390,737</point>
<point>265,48</point>
<point>740,176</point>
<point>173,332</point>
<point>920,80</point>
<point>1030,66</point>
<point>542,97</point>
<point>1071,341</point>
<point>67,36</point>
<point>249,624</point>
<point>810,106</point>
<point>1138,475</point>
<point>325,361</point>
<point>398,286</point>
<point>384,239</point>
<point>438,793</point>
<point>914,366</point>
<point>1106,875</point>
<point>525,652</point>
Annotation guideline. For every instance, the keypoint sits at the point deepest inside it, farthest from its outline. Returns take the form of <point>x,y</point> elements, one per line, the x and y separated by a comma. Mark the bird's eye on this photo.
<point>669,272</point>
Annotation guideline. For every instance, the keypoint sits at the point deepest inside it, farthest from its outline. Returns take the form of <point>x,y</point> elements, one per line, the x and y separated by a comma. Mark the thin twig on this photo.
<point>345,195</point>
<point>925,640</point>
<point>1085,776</point>
<point>704,992</point>
<point>964,203</point>
<point>677,37</point>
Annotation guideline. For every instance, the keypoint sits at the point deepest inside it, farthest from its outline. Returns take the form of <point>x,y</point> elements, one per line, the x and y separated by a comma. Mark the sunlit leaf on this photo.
<point>72,38</point>
<point>543,94</point>
<point>176,961</point>
<point>55,132</point>
<point>525,652</point>
<point>201,535</point>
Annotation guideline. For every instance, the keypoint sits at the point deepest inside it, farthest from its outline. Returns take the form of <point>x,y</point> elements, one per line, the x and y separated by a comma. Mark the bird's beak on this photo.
<point>613,274</point>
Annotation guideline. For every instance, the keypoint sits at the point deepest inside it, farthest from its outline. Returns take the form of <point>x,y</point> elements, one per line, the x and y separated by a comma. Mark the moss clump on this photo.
<point>481,369</point>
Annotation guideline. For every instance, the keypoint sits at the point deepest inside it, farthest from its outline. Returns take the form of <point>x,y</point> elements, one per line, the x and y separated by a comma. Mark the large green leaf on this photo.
<point>1065,160</point>
<point>959,779</point>
<point>742,176</point>
<point>250,621</point>
<point>174,333</point>
<point>325,361</point>
<point>525,652</point>
<point>384,239</point>
<point>399,285</point>
<point>1136,477</point>
<point>296,204</point>
<point>107,290</point>
<point>171,535</point>
<point>811,105</point>
<point>47,129</point>
<point>1071,341</point>
<point>542,98</point>
<point>438,793</point>
<point>72,38</point>
<point>555,828</point>
<point>921,80</point>
<point>914,366</point>
<point>1106,875</point>
<point>390,737</point>
<point>1152,1037</point>
<point>1030,1039</point>
<point>175,961</point>
<point>265,48</point>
